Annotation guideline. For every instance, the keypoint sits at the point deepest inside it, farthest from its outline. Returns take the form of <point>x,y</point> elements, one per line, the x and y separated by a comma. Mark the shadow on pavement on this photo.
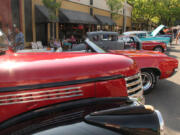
<point>166,98</point>
<point>171,50</point>
<point>170,55</point>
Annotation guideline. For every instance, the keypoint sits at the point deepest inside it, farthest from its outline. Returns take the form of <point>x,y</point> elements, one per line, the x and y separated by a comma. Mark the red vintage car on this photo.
<point>154,65</point>
<point>33,80</point>
<point>146,45</point>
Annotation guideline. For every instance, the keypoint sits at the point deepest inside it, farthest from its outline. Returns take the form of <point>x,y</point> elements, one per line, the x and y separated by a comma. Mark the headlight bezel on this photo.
<point>161,122</point>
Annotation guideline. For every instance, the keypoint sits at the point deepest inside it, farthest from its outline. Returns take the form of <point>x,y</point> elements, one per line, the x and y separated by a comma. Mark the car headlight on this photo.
<point>161,122</point>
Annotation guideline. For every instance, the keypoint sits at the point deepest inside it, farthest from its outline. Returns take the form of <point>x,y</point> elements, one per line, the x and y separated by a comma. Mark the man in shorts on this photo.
<point>19,40</point>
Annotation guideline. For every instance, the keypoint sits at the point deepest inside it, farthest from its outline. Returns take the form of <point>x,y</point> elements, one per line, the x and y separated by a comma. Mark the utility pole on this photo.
<point>124,16</point>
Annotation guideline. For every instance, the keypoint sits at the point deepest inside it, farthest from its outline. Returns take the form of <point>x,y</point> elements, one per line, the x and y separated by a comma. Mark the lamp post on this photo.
<point>124,16</point>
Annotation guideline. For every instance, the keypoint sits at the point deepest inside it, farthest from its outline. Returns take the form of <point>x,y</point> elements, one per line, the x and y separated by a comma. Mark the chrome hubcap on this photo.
<point>158,49</point>
<point>147,80</point>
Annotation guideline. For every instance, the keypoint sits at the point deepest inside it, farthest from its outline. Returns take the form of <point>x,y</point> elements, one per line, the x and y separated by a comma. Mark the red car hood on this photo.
<point>19,69</point>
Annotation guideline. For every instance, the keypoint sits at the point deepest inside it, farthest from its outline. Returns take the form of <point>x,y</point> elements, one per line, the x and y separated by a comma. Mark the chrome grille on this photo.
<point>134,84</point>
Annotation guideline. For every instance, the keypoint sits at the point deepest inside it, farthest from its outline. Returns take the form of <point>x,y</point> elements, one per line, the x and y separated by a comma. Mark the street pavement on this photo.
<point>166,97</point>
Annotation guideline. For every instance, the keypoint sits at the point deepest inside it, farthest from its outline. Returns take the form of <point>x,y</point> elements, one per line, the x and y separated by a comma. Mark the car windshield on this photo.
<point>86,46</point>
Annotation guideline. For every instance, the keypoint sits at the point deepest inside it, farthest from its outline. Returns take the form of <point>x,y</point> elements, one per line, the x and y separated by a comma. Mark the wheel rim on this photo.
<point>158,49</point>
<point>147,80</point>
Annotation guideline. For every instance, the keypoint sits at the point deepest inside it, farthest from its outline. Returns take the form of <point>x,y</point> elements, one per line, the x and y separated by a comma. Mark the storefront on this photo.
<point>42,19</point>
<point>75,23</point>
<point>105,22</point>
<point>6,20</point>
<point>75,18</point>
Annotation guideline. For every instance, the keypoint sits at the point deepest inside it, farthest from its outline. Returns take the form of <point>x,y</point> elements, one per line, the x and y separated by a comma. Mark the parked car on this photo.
<point>154,36</point>
<point>33,80</point>
<point>103,116</point>
<point>159,32</point>
<point>153,65</point>
<point>145,45</point>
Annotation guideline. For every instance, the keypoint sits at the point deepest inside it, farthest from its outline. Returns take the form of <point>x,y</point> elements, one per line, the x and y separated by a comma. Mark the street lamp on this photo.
<point>124,16</point>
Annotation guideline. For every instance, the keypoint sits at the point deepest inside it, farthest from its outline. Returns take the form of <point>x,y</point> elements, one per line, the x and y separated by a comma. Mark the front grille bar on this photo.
<point>134,83</point>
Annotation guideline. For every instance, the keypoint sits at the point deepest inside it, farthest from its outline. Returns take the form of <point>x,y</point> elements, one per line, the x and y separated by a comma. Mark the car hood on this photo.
<point>20,69</point>
<point>138,53</point>
<point>157,30</point>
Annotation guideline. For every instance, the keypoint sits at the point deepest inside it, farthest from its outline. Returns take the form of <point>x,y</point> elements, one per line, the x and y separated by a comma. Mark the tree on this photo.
<point>169,11</point>
<point>52,7</point>
<point>115,6</point>
<point>158,11</point>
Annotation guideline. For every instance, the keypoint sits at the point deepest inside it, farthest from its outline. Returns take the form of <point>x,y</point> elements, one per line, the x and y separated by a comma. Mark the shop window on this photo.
<point>91,11</point>
<point>28,20</point>
<point>15,6</point>
<point>91,2</point>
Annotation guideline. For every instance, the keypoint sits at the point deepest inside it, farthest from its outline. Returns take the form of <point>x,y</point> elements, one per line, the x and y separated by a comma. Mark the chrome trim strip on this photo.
<point>39,96</point>
<point>45,99</point>
<point>39,92</point>
<point>133,77</point>
<point>133,83</point>
<point>134,89</point>
<point>139,96</point>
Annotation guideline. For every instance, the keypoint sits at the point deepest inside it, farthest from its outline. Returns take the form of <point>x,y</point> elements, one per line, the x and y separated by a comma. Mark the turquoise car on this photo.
<point>152,36</point>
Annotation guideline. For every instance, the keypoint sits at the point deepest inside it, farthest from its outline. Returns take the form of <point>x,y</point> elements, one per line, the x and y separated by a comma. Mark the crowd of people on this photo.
<point>16,37</point>
<point>65,44</point>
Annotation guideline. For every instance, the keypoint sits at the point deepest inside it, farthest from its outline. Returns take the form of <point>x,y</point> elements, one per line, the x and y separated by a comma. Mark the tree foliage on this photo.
<point>115,6</point>
<point>52,7</point>
<point>158,11</point>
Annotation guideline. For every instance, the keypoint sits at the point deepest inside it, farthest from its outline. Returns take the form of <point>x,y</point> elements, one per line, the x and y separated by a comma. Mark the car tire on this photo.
<point>149,80</point>
<point>160,49</point>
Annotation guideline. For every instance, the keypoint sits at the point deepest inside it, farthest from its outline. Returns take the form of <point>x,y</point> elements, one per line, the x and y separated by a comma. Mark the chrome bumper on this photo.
<point>135,87</point>
<point>139,97</point>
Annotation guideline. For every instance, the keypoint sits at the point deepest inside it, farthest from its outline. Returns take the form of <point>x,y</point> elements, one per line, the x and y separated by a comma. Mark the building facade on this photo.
<point>74,17</point>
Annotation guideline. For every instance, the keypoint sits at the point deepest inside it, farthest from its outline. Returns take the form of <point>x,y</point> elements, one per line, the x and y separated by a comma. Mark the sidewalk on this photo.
<point>174,43</point>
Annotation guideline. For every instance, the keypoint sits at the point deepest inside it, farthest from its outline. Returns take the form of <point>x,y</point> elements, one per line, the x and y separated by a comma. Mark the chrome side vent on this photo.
<point>42,95</point>
<point>134,84</point>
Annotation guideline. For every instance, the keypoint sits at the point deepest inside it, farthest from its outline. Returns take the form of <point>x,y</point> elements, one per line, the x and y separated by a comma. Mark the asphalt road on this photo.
<point>166,97</point>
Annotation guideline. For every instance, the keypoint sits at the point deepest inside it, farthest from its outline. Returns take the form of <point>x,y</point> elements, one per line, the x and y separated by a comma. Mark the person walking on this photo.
<point>178,37</point>
<point>19,40</point>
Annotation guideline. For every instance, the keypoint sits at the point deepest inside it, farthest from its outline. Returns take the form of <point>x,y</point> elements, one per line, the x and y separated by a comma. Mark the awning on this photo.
<point>69,16</point>
<point>42,15</point>
<point>105,20</point>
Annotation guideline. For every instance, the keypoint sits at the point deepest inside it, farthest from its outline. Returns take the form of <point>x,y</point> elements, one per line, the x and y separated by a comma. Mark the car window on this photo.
<point>126,39</point>
<point>141,35</point>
